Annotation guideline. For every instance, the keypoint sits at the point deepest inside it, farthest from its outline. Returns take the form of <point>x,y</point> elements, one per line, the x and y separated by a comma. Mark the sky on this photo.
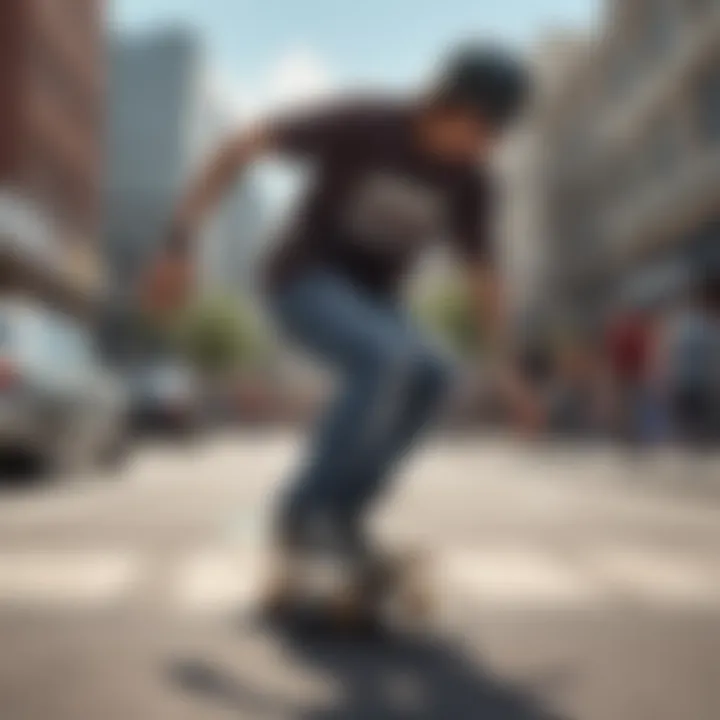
<point>269,50</point>
<point>269,54</point>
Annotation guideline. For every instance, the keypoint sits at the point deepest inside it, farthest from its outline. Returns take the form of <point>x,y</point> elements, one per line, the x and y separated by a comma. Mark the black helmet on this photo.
<point>490,81</point>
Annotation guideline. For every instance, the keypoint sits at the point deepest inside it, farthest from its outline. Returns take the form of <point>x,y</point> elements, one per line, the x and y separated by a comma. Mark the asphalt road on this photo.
<point>571,583</point>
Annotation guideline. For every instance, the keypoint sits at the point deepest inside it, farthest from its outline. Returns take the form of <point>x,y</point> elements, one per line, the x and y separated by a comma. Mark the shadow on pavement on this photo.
<point>20,473</point>
<point>390,677</point>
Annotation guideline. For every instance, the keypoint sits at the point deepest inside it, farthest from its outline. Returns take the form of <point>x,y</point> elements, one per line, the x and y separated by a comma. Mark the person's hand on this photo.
<point>168,284</point>
<point>523,403</point>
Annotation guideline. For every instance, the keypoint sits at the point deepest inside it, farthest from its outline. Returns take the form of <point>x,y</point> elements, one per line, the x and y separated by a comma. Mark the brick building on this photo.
<point>52,88</point>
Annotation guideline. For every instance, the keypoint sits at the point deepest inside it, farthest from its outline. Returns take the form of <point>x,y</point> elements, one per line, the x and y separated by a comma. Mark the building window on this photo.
<point>658,23</point>
<point>621,74</point>
<point>76,17</point>
<point>705,245</point>
<point>698,8</point>
<point>708,103</point>
<point>662,150</point>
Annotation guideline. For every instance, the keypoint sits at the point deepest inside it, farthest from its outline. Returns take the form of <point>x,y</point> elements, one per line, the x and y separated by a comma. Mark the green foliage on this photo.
<point>151,336</point>
<point>218,336</point>
<point>449,312</point>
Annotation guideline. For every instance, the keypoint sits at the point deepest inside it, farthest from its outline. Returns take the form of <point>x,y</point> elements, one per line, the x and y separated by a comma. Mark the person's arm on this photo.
<point>474,230</point>
<point>305,136</point>
<point>486,296</point>
<point>486,291</point>
<point>221,171</point>
<point>167,285</point>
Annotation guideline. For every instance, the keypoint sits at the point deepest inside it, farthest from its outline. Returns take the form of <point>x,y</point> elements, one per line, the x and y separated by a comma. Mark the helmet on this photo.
<point>490,81</point>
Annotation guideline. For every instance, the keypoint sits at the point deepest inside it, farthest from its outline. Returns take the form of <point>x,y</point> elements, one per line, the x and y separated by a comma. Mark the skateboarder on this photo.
<point>390,177</point>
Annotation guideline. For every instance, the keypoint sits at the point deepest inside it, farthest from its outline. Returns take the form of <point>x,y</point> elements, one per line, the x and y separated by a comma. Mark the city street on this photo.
<point>573,584</point>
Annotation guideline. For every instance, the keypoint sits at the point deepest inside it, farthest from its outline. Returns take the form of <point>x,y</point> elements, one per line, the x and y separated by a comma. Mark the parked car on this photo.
<point>165,397</point>
<point>58,403</point>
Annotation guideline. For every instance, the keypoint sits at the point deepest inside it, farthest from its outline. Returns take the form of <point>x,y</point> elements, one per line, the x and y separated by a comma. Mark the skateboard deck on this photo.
<point>320,594</point>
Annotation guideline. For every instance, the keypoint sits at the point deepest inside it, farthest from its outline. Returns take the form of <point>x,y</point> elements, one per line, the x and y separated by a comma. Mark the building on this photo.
<point>631,173</point>
<point>52,93</point>
<point>234,243</point>
<point>166,114</point>
<point>524,228</point>
<point>662,172</point>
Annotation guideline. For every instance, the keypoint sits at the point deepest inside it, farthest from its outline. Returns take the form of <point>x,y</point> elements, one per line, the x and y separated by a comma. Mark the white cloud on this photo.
<point>297,76</point>
<point>224,92</point>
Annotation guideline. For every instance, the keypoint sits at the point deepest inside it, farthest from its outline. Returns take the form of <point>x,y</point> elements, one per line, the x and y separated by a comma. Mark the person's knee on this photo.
<point>418,370</point>
<point>383,361</point>
<point>432,374</point>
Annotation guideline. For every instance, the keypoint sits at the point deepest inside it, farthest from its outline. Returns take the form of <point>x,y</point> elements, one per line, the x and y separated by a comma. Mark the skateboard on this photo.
<point>318,593</point>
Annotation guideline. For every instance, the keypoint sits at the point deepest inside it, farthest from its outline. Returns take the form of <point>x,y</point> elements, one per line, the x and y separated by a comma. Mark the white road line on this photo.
<point>513,577</point>
<point>217,581</point>
<point>30,579</point>
<point>657,577</point>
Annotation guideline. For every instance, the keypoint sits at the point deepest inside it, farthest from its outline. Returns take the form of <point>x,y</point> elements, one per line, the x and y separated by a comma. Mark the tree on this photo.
<point>218,336</point>
<point>449,312</point>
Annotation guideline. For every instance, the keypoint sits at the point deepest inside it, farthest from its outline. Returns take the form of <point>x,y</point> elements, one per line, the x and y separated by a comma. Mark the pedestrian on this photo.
<point>694,367</point>
<point>630,351</point>
<point>390,177</point>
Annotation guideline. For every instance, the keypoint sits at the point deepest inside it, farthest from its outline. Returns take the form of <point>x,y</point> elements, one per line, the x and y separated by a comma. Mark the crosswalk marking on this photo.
<point>211,581</point>
<point>513,575</point>
<point>218,580</point>
<point>58,578</point>
<point>650,576</point>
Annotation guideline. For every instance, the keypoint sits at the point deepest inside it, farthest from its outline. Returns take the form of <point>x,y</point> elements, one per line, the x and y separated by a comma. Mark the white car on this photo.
<point>58,404</point>
<point>165,396</point>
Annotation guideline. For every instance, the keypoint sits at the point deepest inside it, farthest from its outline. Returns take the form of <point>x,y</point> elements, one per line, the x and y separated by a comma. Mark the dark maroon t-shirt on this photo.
<point>377,199</point>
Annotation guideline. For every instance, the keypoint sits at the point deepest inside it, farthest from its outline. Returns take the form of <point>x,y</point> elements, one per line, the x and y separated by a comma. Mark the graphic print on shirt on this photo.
<point>391,213</point>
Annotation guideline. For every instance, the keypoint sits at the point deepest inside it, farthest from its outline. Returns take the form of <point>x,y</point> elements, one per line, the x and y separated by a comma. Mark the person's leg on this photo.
<point>357,336</point>
<point>418,396</point>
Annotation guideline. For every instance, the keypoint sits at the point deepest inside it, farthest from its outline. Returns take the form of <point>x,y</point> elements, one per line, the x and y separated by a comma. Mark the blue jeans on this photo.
<point>392,385</point>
